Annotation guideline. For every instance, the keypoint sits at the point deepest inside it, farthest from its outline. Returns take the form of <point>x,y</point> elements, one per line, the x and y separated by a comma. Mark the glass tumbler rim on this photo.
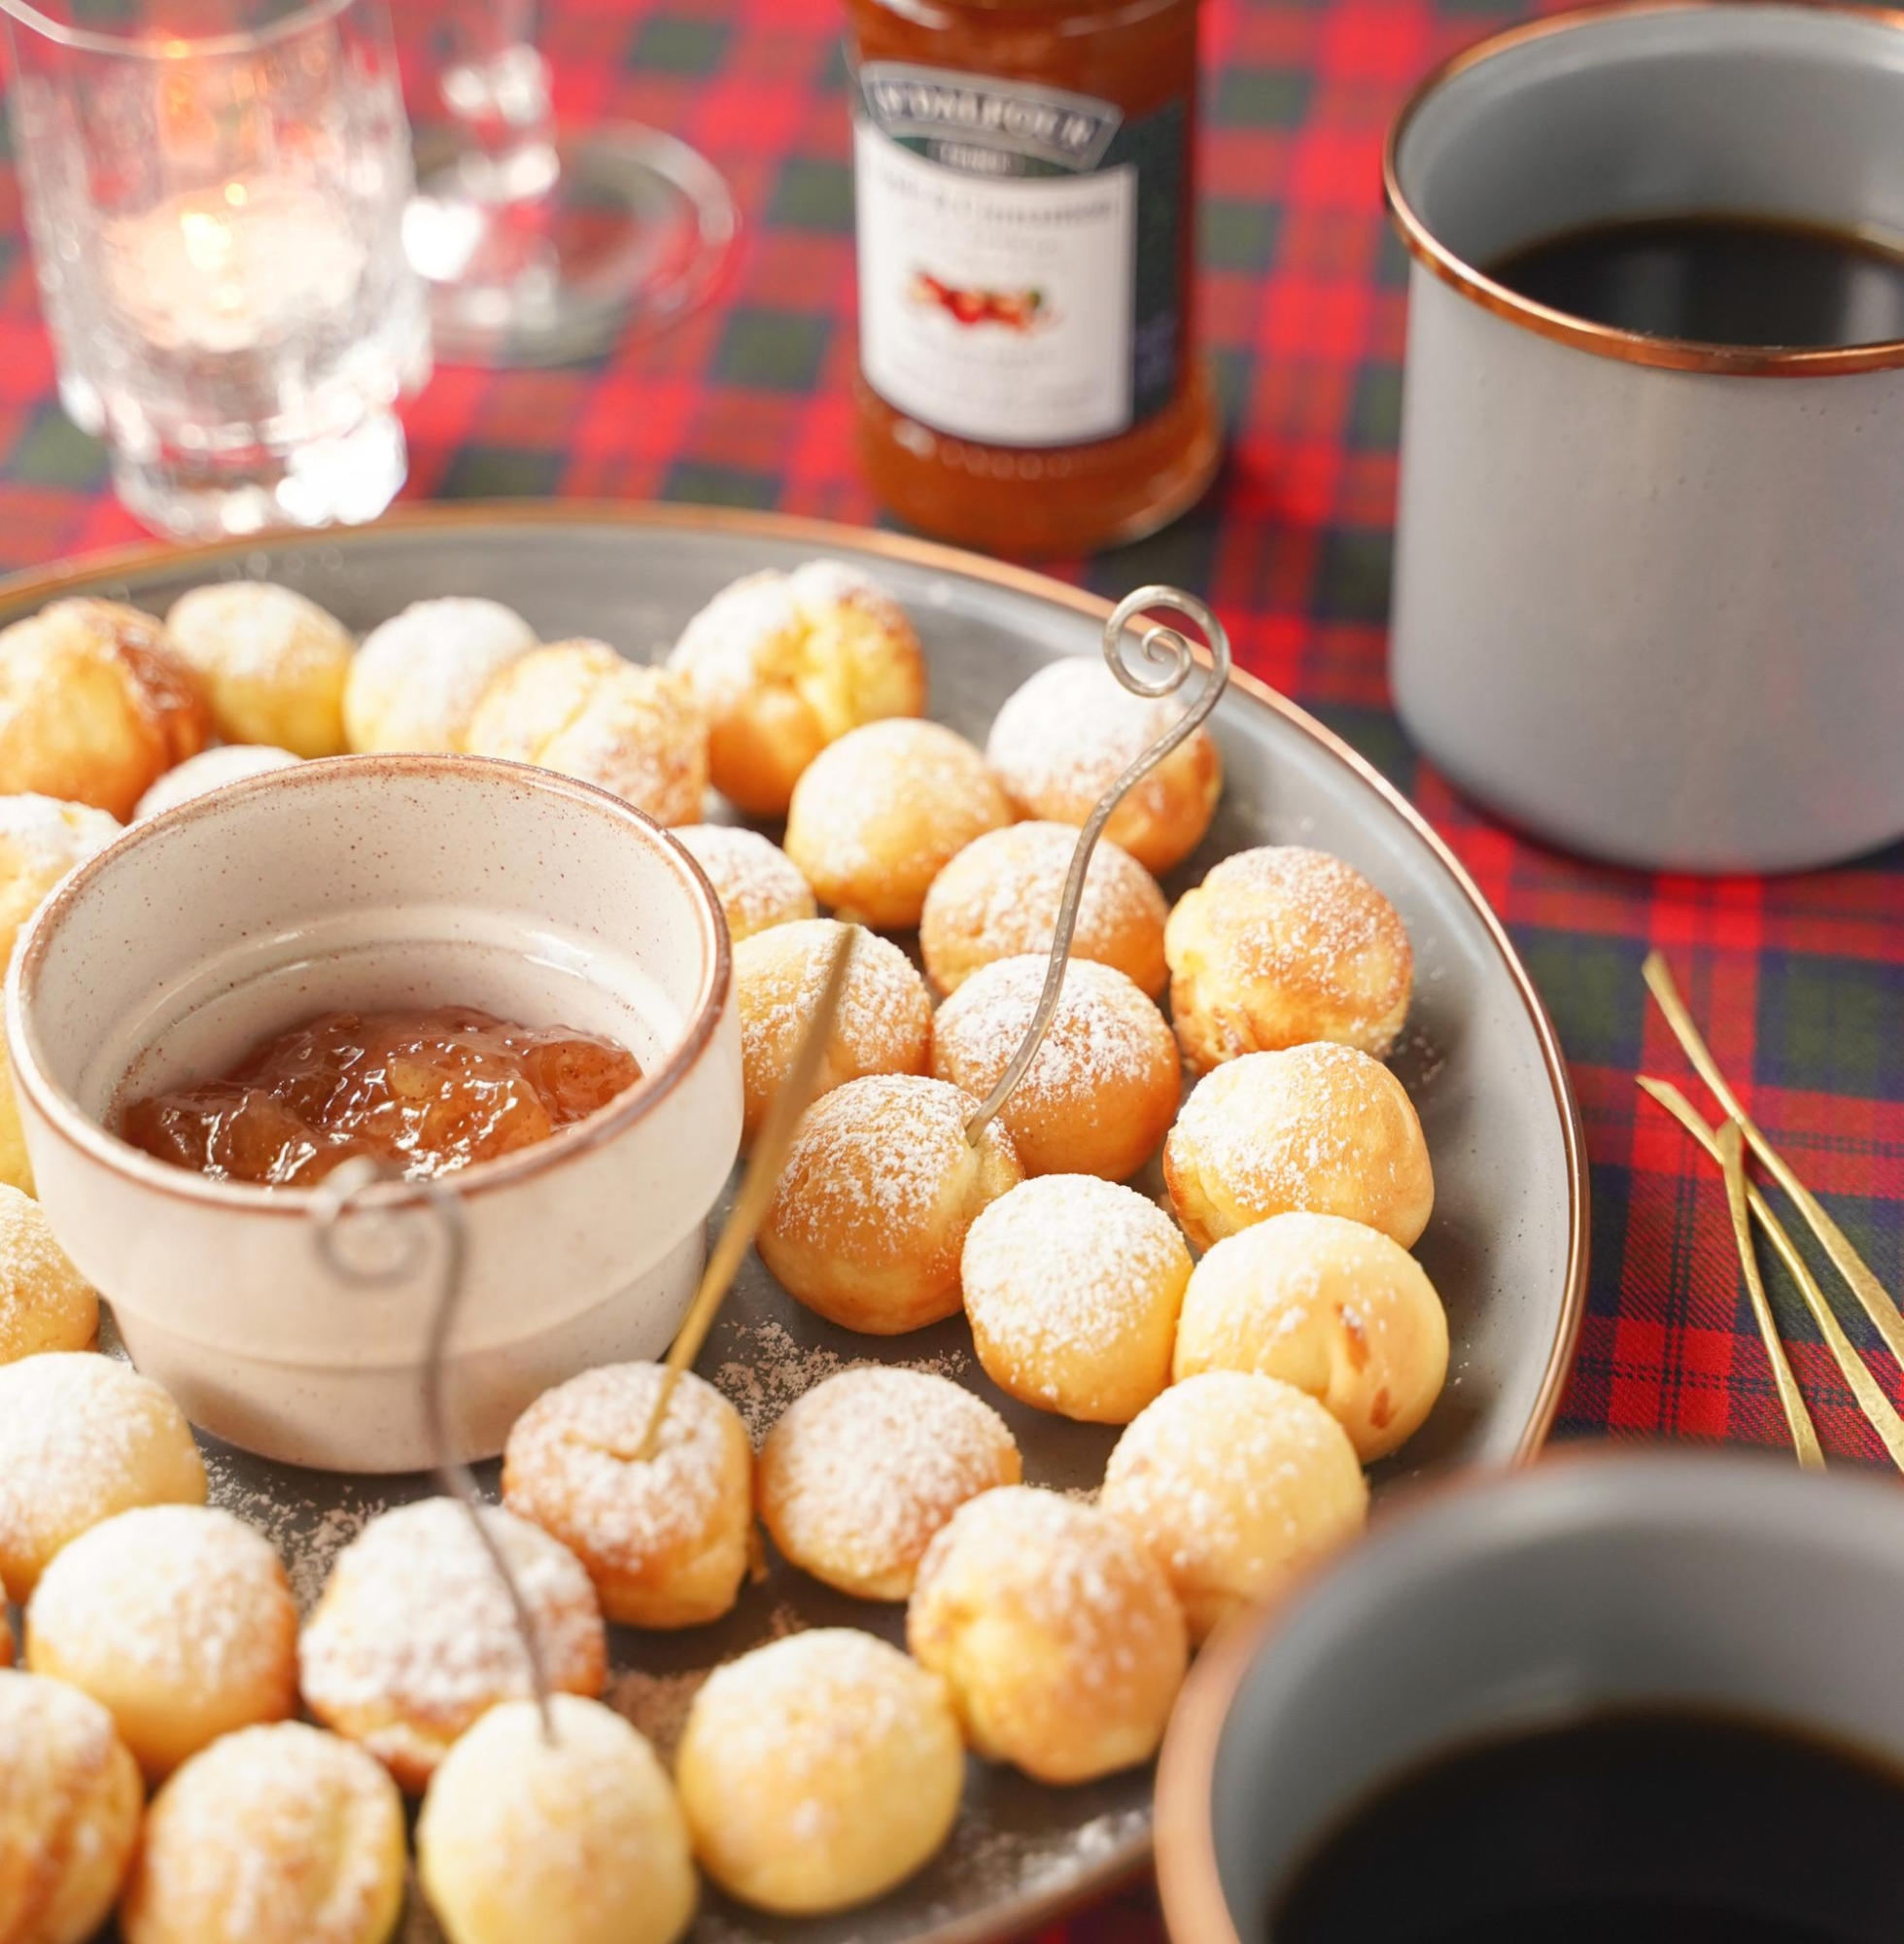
<point>151,46</point>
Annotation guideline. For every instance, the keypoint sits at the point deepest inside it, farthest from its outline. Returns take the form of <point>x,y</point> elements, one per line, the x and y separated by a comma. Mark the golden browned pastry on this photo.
<point>882,1023</point>
<point>70,1802</point>
<point>83,1437</point>
<point>415,1636</point>
<point>1072,1285</point>
<point>880,812</point>
<point>998,899</point>
<point>784,664</point>
<point>665,1538</point>
<point>95,704</point>
<point>1321,1126</point>
<point>45,1303</point>
<point>1333,1307</point>
<point>756,881</point>
<point>578,707</point>
<point>272,664</point>
<point>527,1838</point>
<point>273,1835</point>
<point>860,1473</point>
<point>1066,736</point>
<point>211,770</point>
<point>41,840</point>
<point>6,1630</point>
<point>178,1621</point>
<point>1055,1630</point>
<point>1281,946</point>
<point>820,1771</point>
<point>880,1185</point>
<point>1237,1483</point>
<point>1103,1086</point>
<point>417,679</point>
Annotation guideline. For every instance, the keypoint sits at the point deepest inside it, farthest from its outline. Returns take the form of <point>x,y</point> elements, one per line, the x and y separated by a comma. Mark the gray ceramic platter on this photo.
<point>1507,1247</point>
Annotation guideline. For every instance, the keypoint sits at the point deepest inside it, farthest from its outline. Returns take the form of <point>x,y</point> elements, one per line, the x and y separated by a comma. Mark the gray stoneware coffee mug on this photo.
<point>1734,1583</point>
<point>1649,595</point>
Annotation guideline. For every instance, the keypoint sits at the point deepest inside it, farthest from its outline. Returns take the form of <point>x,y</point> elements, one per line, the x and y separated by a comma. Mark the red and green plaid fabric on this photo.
<point>1799,982</point>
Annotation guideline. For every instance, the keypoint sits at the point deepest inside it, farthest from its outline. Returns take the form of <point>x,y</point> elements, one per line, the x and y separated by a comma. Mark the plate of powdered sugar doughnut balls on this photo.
<point>877,1643</point>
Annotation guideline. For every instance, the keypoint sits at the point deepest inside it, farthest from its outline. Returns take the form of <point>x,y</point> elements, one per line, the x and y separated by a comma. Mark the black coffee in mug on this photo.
<point>1741,280</point>
<point>1654,1828</point>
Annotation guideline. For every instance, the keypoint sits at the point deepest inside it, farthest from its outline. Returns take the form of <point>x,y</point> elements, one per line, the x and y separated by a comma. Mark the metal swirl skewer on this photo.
<point>1160,646</point>
<point>337,1198</point>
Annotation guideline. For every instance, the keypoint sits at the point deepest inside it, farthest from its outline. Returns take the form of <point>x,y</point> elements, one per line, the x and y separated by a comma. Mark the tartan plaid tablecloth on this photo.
<point>1799,981</point>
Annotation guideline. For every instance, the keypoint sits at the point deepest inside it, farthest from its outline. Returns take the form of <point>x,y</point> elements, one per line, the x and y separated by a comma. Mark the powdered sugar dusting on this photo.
<point>720,649</point>
<point>254,631</point>
<point>41,839</point>
<point>1068,1268</point>
<point>778,1369</point>
<point>1063,737</point>
<point>415,1634</point>
<point>416,680</point>
<point>758,884</point>
<point>185,1594</point>
<point>859,1473</point>
<point>1104,1032</point>
<point>570,1462</point>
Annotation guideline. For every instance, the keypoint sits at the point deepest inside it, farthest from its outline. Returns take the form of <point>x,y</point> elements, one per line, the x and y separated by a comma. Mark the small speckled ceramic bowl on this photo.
<point>378,882</point>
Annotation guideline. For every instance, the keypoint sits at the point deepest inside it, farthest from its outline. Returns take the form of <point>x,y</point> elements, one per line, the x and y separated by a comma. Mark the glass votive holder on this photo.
<point>214,193</point>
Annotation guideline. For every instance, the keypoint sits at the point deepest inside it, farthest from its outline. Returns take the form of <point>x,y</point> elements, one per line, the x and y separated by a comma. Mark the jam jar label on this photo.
<point>1019,256</point>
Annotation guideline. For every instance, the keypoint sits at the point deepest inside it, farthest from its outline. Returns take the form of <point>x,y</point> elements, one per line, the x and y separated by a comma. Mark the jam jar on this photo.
<point>1024,183</point>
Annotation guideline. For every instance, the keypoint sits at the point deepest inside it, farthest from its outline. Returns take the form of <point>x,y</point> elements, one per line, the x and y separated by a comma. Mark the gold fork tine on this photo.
<point>1877,1301</point>
<point>758,1186</point>
<point>1876,1406</point>
<point>1798,1420</point>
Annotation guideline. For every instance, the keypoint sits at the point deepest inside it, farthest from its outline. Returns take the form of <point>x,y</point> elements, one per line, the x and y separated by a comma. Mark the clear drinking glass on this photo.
<point>215,193</point>
<point>540,245</point>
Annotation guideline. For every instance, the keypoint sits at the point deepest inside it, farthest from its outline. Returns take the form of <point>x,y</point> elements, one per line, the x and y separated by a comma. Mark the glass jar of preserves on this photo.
<point>1024,183</point>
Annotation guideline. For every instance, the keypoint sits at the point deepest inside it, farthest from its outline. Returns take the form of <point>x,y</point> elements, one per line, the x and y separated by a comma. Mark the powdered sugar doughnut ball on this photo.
<point>880,812</point>
<point>273,665</point>
<point>1056,1631</point>
<point>1236,1483</point>
<point>1333,1307</point>
<point>880,1185</point>
<point>1321,1126</point>
<point>1072,1285</point>
<point>83,1437</point>
<point>178,1619</point>
<point>1104,1085</point>
<point>416,680</point>
<point>998,899</point>
<point>208,770</point>
<point>415,1636</point>
<point>1281,946</point>
<point>665,1538</point>
<point>1066,736</point>
<point>70,1803</point>
<point>578,708</point>
<point>860,1473</point>
<point>523,1838</point>
<point>41,840</point>
<point>784,664</point>
<point>274,1835</point>
<point>45,1303</point>
<point>755,881</point>
<point>820,1771</point>
<point>884,1023</point>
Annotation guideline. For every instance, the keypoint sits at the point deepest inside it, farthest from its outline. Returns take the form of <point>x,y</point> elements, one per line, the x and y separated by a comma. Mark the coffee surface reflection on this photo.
<point>1666,1828</point>
<point>1735,280</point>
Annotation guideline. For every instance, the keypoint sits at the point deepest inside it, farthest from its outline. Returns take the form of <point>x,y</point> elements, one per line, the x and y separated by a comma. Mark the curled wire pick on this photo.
<point>339,1207</point>
<point>1167,652</point>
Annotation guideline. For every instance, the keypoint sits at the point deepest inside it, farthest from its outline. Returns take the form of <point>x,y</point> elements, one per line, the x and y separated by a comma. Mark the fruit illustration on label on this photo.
<point>1016,310</point>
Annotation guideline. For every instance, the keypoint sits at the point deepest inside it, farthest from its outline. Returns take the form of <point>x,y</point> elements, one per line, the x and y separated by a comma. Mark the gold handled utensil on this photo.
<point>1877,1301</point>
<point>1878,1409</point>
<point>757,1186</point>
<point>1804,1435</point>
